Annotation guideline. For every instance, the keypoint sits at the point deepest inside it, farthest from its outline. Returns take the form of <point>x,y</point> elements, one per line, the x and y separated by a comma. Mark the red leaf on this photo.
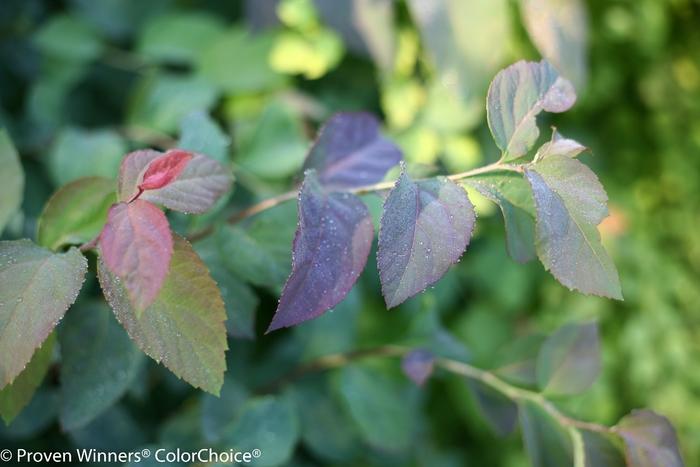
<point>136,245</point>
<point>165,169</point>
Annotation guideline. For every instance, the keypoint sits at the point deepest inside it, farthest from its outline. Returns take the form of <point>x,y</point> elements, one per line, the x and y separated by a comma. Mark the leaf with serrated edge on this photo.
<point>184,327</point>
<point>570,203</point>
<point>98,363</point>
<point>330,250</point>
<point>513,195</point>
<point>76,213</point>
<point>38,286</point>
<point>650,440</point>
<point>516,96</point>
<point>418,365</point>
<point>558,29</point>
<point>16,396</point>
<point>350,152</point>
<point>569,360</point>
<point>166,168</point>
<point>196,189</point>
<point>136,245</point>
<point>425,228</point>
<point>11,179</point>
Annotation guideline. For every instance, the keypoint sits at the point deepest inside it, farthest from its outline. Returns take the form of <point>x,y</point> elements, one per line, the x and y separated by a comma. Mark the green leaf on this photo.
<point>38,286</point>
<point>377,405</point>
<point>650,440</point>
<point>184,327</point>
<point>16,396</point>
<point>546,442</point>
<point>517,362</point>
<point>82,153</point>
<point>239,45</point>
<point>312,54</point>
<point>76,213</point>
<point>98,364</point>
<point>266,423</point>
<point>516,96</point>
<point>278,147</point>
<point>11,179</point>
<point>500,413</point>
<point>68,37</point>
<point>601,450</point>
<point>559,29</point>
<point>161,101</point>
<point>219,413</point>
<point>178,37</point>
<point>569,360</point>
<point>570,203</point>
<point>200,133</point>
<point>513,195</point>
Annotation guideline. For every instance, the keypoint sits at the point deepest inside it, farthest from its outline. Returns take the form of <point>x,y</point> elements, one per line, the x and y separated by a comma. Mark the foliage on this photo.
<point>192,268</point>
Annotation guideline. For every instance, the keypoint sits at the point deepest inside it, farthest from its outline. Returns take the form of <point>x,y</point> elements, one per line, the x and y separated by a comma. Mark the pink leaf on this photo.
<point>131,172</point>
<point>165,169</point>
<point>136,246</point>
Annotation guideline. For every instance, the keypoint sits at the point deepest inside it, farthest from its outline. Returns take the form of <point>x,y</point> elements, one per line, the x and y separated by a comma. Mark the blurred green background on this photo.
<point>83,82</point>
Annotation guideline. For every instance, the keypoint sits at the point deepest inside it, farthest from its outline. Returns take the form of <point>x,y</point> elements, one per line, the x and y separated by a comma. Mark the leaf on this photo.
<point>350,152</point>
<point>219,413</point>
<point>569,360</point>
<point>196,189</point>
<point>516,96</point>
<point>11,179</point>
<point>559,29</point>
<point>499,412</point>
<point>514,196</point>
<point>425,228</point>
<point>650,440</point>
<point>76,213</point>
<point>517,362</point>
<point>377,405</point>
<point>560,146</point>
<point>269,424</point>
<point>166,168</point>
<point>201,134</point>
<point>330,250</point>
<point>367,27</point>
<point>68,37</point>
<point>184,327</point>
<point>16,396</point>
<point>98,364</point>
<point>136,246</point>
<point>81,153</point>
<point>546,442</point>
<point>418,365</point>
<point>601,450</point>
<point>570,203</point>
<point>37,288</point>
<point>131,172</point>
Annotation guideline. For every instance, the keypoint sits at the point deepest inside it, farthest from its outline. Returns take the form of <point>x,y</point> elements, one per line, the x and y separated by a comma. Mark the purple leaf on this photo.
<point>425,228</point>
<point>649,440</point>
<point>350,152</point>
<point>418,365</point>
<point>136,246</point>
<point>330,250</point>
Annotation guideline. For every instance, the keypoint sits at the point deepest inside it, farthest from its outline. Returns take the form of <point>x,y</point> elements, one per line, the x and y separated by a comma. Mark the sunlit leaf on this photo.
<point>516,96</point>
<point>330,250</point>
<point>184,327</point>
<point>11,179</point>
<point>418,365</point>
<point>76,213</point>
<point>269,424</point>
<point>136,246</point>
<point>650,440</point>
<point>38,286</point>
<point>500,413</point>
<point>569,360</point>
<point>313,54</point>
<point>350,151</point>
<point>513,195</point>
<point>570,203</point>
<point>547,443</point>
<point>425,228</point>
<point>559,29</point>
<point>560,146</point>
<point>14,397</point>
<point>98,363</point>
